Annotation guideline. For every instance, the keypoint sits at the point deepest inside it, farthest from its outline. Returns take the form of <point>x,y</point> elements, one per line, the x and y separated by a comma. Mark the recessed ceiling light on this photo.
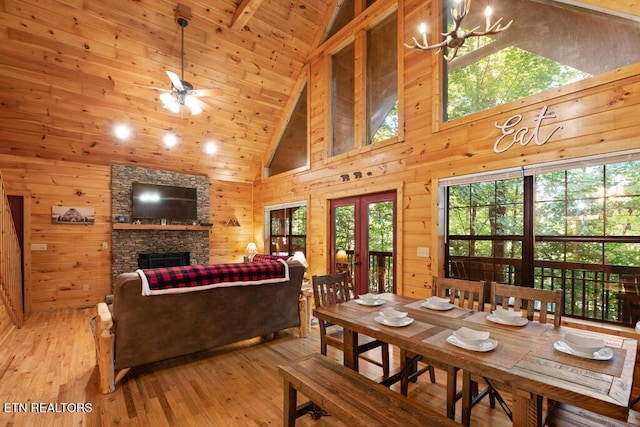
<point>170,140</point>
<point>122,131</point>
<point>210,148</point>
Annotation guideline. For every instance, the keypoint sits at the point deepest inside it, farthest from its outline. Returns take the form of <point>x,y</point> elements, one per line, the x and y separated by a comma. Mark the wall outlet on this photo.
<point>85,287</point>
<point>38,246</point>
<point>423,252</point>
<point>105,245</point>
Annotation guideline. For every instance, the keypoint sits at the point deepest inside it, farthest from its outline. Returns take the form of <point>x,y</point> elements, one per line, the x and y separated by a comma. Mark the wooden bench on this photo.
<point>350,397</point>
<point>563,415</point>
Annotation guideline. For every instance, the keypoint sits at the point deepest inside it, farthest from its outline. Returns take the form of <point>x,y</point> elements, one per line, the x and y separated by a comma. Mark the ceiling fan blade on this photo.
<point>202,105</point>
<point>150,87</point>
<point>175,80</point>
<point>206,102</point>
<point>207,92</point>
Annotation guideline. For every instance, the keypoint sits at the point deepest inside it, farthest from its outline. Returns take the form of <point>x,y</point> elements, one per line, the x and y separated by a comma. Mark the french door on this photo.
<point>363,240</point>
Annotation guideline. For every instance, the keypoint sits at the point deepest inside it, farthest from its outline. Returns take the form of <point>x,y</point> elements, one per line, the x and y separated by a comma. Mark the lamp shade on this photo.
<point>299,256</point>
<point>341,257</point>
<point>252,248</point>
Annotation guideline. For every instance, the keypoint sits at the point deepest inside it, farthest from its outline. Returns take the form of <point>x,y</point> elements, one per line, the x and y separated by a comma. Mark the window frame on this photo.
<point>302,83</point>
<point>532,269</point>
<point>267,224</point>
<point>548,96</point>
<point>355,32</point>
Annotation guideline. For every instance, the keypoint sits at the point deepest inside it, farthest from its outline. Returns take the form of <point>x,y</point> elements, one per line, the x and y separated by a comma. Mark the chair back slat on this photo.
<point>330,289</point>
<point>464,293</point>
<point>525,298</point>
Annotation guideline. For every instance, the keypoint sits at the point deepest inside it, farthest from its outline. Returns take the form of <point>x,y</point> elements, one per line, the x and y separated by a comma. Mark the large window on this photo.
<point>343,100</point>
<point>549,44</point>
<point>382,81</point>
<point>575,228</point>
<point>364,86</point>
<point>287,229</point>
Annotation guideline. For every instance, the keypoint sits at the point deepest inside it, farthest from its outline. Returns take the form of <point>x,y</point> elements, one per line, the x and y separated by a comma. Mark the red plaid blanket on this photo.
<point>171,280</point>
<point>268,257</point>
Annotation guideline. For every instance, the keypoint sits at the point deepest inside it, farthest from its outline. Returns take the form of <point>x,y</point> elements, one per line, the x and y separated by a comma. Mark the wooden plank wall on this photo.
<point>600,115</point>
<point>54,277</point>
<point>228,200</point>
<point>74,256</point>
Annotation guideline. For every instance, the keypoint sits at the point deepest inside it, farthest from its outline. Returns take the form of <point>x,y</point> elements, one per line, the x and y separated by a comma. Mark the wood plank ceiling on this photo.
<point>73,69</point>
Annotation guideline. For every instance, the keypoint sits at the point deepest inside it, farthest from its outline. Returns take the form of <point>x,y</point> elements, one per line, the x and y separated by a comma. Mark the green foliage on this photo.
<point>389,127</point>
<point>299,221</point>
<point>381,226</point>
<point>504,76</point>
<point>593,213</point>
<point>345,227</point>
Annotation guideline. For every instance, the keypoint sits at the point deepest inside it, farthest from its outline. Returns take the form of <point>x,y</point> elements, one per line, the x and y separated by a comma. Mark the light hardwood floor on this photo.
<point>51,361</point>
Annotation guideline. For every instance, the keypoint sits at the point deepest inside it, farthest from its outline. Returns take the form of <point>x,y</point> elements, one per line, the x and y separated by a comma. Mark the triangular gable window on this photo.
<point>291,152</point>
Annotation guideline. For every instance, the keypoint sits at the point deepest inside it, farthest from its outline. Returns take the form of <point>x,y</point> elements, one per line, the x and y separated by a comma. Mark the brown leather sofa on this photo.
<point>135,330</point>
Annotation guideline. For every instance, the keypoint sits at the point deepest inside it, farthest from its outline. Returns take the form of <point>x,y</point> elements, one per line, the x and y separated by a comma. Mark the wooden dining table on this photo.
<point>524,359</point>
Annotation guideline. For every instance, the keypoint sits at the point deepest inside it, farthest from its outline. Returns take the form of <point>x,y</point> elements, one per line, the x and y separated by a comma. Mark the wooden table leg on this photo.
<point>290,405</point>
<point>527,408</point>
<point>350,349</point>
<point>466,398</point>
<point>452,385</point>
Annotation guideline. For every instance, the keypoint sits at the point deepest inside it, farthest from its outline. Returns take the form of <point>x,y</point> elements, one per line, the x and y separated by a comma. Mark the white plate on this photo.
<point>520,321</point>
<point>403,322</point>
<point>430,306</point>
<point>369,304</point>
<point>487,345</point>
<point>604,353</point>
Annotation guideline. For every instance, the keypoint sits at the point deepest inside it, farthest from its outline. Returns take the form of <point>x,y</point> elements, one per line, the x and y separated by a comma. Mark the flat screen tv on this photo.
<point>151,201</point>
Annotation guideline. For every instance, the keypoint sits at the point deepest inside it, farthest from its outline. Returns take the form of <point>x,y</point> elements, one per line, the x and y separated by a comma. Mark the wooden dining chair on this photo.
<point>332,289</point>
<point>464,294</point>
<point>532,301</point>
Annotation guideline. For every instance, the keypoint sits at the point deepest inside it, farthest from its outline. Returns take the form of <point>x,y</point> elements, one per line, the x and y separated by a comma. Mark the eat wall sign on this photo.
<point>513,132</point>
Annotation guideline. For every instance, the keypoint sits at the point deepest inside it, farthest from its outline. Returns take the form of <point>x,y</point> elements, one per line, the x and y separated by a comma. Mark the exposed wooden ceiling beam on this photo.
<point>243,13</point>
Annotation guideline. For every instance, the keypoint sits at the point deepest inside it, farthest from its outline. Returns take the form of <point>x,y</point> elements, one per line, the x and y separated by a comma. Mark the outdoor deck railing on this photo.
<point>606,293</point>
<point>380,270</point>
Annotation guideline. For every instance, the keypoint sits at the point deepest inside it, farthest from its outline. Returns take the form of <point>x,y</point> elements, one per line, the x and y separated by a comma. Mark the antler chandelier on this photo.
<point>455,38</point>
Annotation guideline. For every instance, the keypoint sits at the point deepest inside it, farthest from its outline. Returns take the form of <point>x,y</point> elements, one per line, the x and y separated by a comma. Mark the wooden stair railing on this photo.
<point>10,262</point>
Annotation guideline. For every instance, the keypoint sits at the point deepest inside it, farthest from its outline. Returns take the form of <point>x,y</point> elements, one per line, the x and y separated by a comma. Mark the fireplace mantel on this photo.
<point>161,227</point>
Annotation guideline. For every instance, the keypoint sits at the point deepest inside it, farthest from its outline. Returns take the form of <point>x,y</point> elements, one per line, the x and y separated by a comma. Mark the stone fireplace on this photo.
<point>127,243</point>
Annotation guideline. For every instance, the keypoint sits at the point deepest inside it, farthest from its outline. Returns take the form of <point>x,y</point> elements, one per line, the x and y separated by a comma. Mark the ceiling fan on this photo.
<point>182,93</point>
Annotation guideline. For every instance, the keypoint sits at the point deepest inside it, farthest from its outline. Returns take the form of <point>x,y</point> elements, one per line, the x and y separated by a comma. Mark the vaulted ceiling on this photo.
<point>73,69</point>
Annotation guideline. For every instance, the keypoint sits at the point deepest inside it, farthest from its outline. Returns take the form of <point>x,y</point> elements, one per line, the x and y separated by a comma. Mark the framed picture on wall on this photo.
<point>72,215</point>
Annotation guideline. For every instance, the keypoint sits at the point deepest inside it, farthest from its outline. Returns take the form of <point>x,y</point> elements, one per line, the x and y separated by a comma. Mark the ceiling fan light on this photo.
<point>175,107</point>
<point>167,99</point>
<point>191,102</point>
